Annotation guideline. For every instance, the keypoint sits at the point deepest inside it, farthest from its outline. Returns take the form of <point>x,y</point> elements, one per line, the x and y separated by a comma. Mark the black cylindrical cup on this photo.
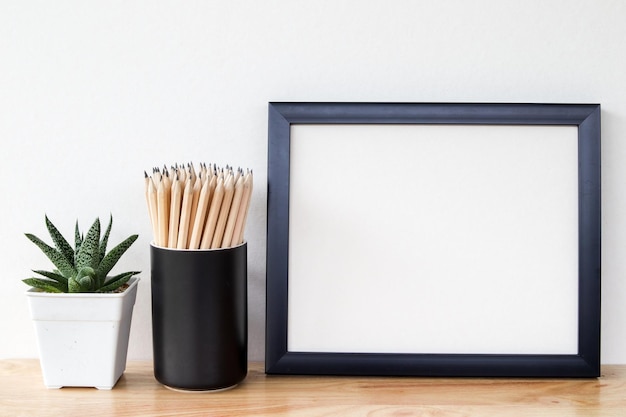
<point>199,317</point>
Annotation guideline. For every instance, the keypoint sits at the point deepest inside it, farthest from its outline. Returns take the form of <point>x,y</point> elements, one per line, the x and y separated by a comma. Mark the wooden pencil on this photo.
<point>192,172</point>
<point>197,186</point>
<point>233,212</point>
<point>153,209</point>
<point>211,221</point>
<point>156,173</point>
<point>199,218</point>
<point>242,216</point>
<point>175,204</point>
<point>185,215</point>
<point>147,179</point>
<point>229,190</point>
<point>163,213</point>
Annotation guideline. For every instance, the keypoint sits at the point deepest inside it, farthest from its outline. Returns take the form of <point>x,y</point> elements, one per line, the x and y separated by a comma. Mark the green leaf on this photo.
<point>120,276</point>
<point>105,240</point>
<point>44,284</point>
<point>78,239</point>
<point>52,275</point>
<point>73,285</point>
<point>114,255</point>
<point>117,281</point>
<point>60,279</point>
<point>59,241</point>
<point>89,248</point>
<point>86,283</point>
<point>102,252</point>
<point>66,268</point>
<point>84,280</point>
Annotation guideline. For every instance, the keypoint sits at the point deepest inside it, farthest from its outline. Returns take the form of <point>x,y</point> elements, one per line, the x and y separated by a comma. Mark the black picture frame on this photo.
<point>283,116</point>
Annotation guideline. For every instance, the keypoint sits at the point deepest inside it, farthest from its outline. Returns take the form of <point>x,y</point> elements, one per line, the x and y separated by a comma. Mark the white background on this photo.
<point>92,93</point>
<point>433,239</point>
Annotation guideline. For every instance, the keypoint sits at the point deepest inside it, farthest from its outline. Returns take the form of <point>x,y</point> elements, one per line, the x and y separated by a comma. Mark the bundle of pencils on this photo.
<point>206,209</point>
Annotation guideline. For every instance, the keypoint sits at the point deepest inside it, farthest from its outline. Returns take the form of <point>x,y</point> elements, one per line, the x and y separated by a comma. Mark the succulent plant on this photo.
<point>83,268</point>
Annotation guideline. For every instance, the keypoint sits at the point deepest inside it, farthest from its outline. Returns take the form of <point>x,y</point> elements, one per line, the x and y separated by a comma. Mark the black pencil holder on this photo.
<point>199,317</point>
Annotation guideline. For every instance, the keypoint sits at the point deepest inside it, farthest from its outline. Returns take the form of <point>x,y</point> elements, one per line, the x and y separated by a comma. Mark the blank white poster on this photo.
<point>433,239</point>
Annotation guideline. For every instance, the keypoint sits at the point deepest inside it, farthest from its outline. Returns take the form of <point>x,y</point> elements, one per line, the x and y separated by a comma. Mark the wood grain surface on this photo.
<point>22,393</point>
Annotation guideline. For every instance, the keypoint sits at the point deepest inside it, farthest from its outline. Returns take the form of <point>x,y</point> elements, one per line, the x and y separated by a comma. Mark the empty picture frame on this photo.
<point>433,239</point>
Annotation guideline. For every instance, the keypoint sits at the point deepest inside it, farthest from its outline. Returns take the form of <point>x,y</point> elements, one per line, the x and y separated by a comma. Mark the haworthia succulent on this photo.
<point>83,268</point>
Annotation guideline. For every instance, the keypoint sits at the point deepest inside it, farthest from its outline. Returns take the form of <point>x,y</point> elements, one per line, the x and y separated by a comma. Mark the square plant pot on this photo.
<point>83,337</point>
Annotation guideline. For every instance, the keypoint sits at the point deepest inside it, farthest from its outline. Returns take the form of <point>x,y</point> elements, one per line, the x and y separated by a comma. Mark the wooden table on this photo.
<point>22,393</point>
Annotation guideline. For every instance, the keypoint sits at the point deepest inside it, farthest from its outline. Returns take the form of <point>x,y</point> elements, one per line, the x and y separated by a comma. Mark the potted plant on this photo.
<point>82,316</point>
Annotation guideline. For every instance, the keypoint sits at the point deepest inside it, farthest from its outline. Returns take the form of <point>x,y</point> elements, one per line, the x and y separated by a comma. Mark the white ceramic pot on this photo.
<point>83,337</point>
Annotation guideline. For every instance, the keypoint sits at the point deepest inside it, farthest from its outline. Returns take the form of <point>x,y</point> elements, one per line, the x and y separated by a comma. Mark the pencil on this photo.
<point>182,174</point>
<point>198,221</point>
<point>192,172</point>
<point>153,209</point>
<point>197,186</point>
<point>242,216</point>
<point>163,213</point>
<point>167,187</point>
<point>146,183</point>
<point>185,215</point>
<point>237,175</point>
<point>156,172</point>
<point>229,189</point>
<point>216,202</point>
<point>176,200</point>
<point>147,193</point>
<point>232,214</point>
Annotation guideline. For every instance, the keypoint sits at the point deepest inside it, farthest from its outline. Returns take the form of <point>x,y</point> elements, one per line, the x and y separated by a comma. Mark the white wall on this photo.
<point>92,93</point>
